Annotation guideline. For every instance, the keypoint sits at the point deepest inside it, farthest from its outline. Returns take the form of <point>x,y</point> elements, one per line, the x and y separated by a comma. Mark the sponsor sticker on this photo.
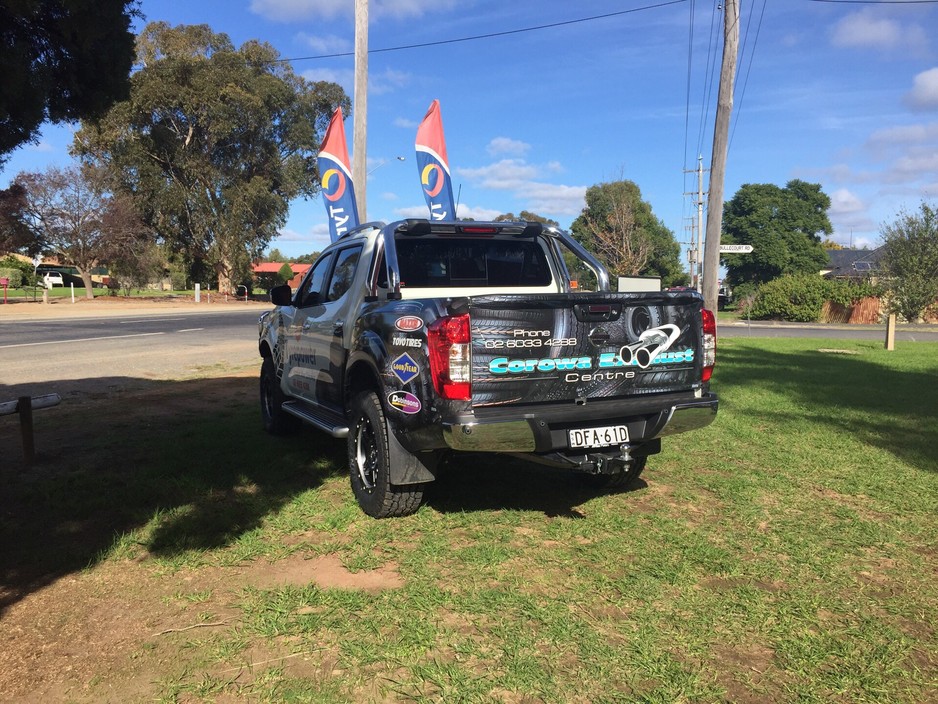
<point>404,401</point>
<point>405,341</point>
<point>408,323</point>
<point>405,368</point>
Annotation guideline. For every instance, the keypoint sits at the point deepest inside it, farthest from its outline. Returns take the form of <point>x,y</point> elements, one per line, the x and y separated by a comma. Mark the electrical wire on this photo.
<point>490,35</point>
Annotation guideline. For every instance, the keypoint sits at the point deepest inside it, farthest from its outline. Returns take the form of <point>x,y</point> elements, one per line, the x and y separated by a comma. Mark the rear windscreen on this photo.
<point>458,262</point>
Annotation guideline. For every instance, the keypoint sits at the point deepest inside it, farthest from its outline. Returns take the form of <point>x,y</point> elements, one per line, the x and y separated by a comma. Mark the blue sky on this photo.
<point>838,93</point>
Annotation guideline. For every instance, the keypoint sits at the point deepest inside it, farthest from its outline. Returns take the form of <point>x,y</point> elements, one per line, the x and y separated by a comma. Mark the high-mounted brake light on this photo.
<point>448,340</point>
<point>709,343</point>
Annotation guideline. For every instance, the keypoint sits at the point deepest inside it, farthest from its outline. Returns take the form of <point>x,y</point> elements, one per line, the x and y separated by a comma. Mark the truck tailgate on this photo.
<point>569,347</point>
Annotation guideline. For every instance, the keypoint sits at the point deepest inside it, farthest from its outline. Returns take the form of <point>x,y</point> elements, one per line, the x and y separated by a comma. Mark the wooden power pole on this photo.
<point>360,110</point>
<point>721,130</point>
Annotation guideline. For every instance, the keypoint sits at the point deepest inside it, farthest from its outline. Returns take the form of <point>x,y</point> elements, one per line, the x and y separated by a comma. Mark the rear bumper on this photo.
<point>544,428</point>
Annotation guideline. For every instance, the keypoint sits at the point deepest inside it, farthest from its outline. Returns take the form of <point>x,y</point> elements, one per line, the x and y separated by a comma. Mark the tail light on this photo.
<point>449,341</point>
<point>709,343</point>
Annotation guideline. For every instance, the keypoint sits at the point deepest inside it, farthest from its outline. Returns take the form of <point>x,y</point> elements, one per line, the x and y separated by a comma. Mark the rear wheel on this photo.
<point>618,481</point>
<point>276,420</point>
<point>370,466</point>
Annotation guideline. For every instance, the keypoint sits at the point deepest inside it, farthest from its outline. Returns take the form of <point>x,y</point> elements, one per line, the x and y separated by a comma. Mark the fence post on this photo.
<point>24,406</point>
<point>891,332</point>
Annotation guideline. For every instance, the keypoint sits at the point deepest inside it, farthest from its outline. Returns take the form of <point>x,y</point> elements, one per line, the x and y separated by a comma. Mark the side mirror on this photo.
<point>281,295</point>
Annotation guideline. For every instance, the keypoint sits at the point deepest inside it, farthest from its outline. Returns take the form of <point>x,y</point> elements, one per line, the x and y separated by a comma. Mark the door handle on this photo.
<point>338,328</point>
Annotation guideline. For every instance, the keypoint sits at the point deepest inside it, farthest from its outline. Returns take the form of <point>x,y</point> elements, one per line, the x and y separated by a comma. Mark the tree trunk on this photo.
<point>86,280</point>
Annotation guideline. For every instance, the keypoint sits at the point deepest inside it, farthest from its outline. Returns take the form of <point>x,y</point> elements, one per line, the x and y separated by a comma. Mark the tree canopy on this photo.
<point>621,230</point>
<point>79,220</point>
<point>16,234</point>
<point>910,262</point>
<point>213,143</point>
<point>784,227</point>
<point>61,60</point>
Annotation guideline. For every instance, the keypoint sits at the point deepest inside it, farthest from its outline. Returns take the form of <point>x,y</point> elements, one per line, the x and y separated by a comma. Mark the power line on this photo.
<point>490,35</point>
<point>878,2</point>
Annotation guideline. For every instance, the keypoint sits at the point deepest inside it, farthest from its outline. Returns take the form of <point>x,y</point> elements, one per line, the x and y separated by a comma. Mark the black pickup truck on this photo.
<point>418,338</point>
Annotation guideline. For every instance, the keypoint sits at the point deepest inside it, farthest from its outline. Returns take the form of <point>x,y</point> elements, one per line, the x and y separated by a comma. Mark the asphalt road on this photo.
<point>99,355</point>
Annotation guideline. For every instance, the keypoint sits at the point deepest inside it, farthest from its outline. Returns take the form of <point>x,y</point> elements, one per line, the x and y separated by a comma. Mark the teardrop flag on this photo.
<point>338,189</point>
<point>433,165</point>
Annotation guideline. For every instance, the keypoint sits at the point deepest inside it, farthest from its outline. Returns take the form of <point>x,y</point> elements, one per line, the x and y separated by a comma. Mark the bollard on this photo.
<point>23,407</point>
<point>891,332</point>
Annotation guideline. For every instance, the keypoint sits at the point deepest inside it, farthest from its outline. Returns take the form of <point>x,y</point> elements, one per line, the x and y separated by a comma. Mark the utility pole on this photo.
<point>360,109</point>
<point>721,130</point>
<point>697,262</point>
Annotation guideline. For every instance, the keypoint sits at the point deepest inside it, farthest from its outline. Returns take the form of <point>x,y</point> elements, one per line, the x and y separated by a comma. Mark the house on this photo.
<point>271,269</point>
<point>852,263</point>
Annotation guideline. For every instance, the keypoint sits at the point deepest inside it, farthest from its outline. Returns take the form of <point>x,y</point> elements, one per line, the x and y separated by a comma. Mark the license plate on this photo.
<point>598,437</point>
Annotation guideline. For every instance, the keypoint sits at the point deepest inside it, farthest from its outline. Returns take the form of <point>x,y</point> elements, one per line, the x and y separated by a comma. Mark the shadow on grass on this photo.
<point>878,400</point>
<point>471,482</point>
<point>190,453</point>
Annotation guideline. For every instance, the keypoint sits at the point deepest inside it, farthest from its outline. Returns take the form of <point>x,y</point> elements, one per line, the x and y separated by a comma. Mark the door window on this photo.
<point>344,273</point>
<point>311,291</point>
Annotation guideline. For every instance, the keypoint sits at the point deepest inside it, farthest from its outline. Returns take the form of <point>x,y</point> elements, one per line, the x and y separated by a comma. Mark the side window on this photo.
<point>345,265</point>
<point>311,289</point>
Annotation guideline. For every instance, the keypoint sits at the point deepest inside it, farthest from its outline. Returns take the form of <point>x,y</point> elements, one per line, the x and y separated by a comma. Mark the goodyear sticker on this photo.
<point>404,401</point>
<point>405,368</point>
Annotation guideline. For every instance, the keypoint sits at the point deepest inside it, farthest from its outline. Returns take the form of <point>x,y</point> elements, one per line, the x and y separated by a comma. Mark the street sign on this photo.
<point>735,248</point>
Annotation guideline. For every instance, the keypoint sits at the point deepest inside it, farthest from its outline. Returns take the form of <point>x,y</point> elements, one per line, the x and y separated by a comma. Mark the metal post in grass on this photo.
<point>891,332</point>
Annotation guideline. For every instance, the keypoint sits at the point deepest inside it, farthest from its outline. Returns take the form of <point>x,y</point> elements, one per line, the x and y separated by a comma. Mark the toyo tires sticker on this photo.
<point>404,401</point>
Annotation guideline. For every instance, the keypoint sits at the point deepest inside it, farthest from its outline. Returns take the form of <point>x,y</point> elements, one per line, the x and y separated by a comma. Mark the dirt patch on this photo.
<point>325,571</point>
<point>111,631</point>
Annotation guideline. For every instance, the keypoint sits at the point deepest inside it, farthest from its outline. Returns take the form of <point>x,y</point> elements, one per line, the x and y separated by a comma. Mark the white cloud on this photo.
<point>891,137</point>
<point>345,77</point>
<point>507,174</point>
<point>519,178</point>
<point>868,29</point>
<point>387,82</point>
<point>40,147</point>
<point>405,123</point>
<point>298,10</point>
<point>844,202</point>
<point>295,10</point>
<point>331,44</point>
<point>506,145</point>
<point>924,93</point>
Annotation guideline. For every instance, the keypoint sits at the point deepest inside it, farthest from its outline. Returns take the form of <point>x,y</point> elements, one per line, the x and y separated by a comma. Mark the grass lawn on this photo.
<point>787,553</point>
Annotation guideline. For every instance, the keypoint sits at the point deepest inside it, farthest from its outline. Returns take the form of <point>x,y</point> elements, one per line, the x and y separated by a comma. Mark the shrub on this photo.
<point>25,269</point>
<point>14,275</point>
<point>800,298</point>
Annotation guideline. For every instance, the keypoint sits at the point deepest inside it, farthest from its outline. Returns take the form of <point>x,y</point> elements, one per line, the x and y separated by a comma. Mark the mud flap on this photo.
<point>410,468</point>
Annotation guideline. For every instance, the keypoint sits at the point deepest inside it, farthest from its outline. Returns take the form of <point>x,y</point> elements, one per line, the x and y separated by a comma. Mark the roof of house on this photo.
<point>853,262</point>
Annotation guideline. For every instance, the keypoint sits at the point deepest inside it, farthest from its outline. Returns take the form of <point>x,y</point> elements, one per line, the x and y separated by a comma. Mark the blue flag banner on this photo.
<point>433,165</point>
<point>338,189</point>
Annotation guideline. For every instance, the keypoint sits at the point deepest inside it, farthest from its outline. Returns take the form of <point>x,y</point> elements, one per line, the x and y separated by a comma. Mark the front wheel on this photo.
<point>370,464</point>
<point>276,420</point>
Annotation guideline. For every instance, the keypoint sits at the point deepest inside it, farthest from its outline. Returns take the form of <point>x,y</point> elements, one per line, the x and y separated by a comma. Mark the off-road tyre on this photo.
<point>620,481</point>
<point>370,466</point>
<point>276,420</point>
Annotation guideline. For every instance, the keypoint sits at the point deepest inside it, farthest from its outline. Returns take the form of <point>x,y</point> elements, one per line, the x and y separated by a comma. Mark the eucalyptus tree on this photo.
<point>213,143</point>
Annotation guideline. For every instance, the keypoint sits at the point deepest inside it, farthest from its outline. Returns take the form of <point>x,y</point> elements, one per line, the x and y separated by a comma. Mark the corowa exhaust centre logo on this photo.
<point>652,348</point>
